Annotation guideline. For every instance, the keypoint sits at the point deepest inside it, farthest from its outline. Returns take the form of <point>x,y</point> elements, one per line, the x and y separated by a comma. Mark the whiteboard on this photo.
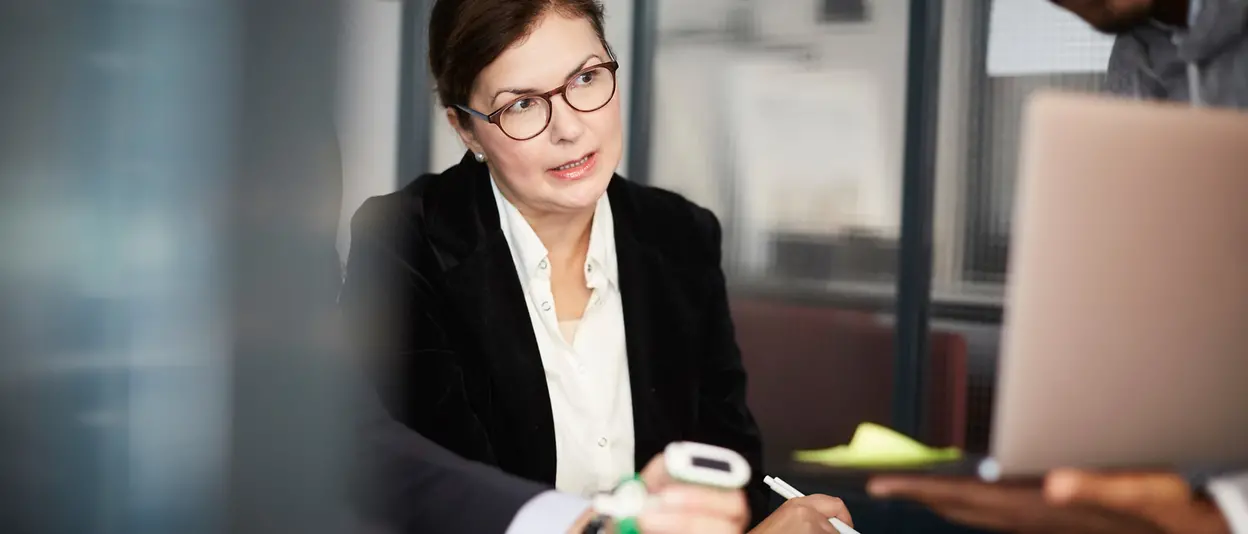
<point>809,152</point>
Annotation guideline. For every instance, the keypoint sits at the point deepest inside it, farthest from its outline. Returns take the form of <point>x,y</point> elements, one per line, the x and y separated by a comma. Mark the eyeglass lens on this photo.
<point>528,116</point>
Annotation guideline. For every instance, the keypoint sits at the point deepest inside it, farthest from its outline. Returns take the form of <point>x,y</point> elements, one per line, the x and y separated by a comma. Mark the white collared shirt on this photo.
<point>587,376</point>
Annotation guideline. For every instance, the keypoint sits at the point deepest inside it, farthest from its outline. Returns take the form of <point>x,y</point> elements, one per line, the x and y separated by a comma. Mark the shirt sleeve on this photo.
<point>550,512</point>
<point>1231,494</point>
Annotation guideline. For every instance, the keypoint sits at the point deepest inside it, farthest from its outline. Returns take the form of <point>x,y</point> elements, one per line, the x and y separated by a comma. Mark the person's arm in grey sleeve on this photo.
<point>409,484</point>
<point>549,512</point>
<point>1231,494</point>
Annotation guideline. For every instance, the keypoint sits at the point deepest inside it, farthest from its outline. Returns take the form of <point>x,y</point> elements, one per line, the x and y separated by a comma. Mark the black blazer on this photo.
<point>433,298</point>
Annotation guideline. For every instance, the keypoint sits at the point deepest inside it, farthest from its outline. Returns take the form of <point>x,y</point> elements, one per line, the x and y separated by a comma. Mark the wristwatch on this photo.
<point>600,524</point>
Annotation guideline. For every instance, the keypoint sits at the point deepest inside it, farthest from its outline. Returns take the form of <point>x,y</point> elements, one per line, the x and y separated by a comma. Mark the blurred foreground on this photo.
<point>169,185</point>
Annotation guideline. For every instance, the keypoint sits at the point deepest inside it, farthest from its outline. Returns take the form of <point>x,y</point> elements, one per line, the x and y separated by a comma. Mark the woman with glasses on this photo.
<point>528,308</point>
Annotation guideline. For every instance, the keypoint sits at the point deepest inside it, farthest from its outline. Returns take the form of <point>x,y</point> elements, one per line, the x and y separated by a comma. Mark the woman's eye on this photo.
<point>585,78</point>
<point>522,105</point>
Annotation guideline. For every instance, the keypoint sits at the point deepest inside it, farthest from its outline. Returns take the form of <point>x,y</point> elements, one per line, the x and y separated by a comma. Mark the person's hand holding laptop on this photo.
<point>1068,501</point>
<point>1123,349</point>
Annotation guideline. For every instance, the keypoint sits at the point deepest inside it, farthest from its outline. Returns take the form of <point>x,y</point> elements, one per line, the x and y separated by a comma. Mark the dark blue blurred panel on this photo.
<point>117,377</point>
<point>165,168</point>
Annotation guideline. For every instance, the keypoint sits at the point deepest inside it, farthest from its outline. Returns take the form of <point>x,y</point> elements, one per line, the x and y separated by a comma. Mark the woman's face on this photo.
<point>566,168</point>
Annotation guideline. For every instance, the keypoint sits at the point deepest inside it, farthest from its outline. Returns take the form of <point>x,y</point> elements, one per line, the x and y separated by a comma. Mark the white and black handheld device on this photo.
<point>706,465</point>
<point>686,462</point>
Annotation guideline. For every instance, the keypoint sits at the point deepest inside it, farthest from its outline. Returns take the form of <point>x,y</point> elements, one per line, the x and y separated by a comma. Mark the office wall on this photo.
<point>852,61</point>
<point>702,149</point>
<point>782,124</point>
<point>875,52</point>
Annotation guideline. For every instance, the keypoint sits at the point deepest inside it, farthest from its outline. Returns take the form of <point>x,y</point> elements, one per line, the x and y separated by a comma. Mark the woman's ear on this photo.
<point>465,133</point>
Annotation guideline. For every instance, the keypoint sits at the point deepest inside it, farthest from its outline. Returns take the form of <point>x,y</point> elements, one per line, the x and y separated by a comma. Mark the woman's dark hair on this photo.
<point>465,36</point>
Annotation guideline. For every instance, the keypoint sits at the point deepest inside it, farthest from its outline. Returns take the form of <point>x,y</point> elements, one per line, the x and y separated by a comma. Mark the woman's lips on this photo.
<point>575,170</point>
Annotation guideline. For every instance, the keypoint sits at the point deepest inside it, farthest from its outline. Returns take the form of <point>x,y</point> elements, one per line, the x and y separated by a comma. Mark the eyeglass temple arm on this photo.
<point>473,112</point>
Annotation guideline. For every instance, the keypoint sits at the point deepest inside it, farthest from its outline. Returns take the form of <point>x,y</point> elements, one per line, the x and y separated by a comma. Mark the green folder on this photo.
<point>874,447</point>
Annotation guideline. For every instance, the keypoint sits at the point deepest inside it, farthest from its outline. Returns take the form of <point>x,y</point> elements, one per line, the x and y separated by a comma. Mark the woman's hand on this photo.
<point>805,515</point>
<point>683,508</point>
<point>677,508</point>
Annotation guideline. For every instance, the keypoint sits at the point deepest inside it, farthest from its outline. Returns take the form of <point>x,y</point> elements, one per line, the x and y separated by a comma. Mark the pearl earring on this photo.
<point>480,157</point>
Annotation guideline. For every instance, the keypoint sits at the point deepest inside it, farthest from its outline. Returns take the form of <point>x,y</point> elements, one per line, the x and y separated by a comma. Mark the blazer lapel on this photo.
<point>484,289</point>
<point>642,283</point>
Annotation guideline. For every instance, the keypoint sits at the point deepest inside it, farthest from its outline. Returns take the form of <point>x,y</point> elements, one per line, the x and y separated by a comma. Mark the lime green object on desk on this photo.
<point>875,446</point>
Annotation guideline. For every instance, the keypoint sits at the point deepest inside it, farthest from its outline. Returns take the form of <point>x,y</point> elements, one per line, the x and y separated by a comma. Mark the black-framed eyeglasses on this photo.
<point>528,116</point>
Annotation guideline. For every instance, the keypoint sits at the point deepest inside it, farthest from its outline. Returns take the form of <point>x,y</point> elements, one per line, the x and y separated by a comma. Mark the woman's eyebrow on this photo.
<point>582,65</point>
<point>525,91</point>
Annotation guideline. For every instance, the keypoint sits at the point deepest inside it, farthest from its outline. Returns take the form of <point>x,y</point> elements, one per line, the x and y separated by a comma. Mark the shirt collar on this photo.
<point>600,262</point>
<point>532,258</point>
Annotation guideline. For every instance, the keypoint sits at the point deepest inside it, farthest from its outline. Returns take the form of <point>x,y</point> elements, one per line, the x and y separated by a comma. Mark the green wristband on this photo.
<point>628,525</point>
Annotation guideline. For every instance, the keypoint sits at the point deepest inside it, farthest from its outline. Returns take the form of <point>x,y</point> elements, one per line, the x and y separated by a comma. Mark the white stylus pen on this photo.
<point>789,492</point>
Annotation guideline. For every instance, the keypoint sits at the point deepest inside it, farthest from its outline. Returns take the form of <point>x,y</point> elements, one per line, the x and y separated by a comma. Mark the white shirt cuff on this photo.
<point>1231,494</point>
<point>550,512</point>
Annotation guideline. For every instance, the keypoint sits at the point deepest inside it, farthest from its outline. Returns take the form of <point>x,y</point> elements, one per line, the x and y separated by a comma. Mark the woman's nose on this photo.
<point>565,122</point>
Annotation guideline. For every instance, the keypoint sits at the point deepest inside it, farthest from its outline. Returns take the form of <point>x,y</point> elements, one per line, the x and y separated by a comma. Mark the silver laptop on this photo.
<point>1125,341</point>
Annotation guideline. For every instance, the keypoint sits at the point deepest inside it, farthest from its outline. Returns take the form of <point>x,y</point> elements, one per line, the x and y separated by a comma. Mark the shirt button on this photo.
<point>602,442</point>
<point>542,265</point>
<point>589,268</point>
<point>546,306</point>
